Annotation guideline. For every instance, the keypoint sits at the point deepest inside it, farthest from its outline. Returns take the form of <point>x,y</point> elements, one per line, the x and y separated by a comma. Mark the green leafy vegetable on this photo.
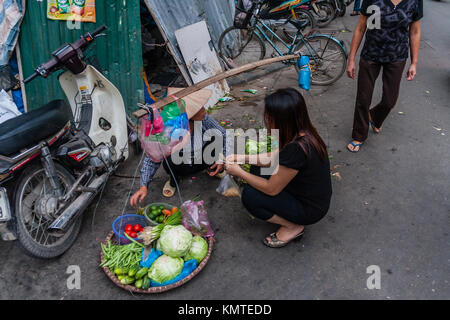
<point>175,241</point>
<point>198,250</point>
<point>165,268</point>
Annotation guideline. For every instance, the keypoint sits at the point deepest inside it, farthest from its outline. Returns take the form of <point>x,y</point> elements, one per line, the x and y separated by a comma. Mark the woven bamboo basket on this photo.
<point>111,237</point>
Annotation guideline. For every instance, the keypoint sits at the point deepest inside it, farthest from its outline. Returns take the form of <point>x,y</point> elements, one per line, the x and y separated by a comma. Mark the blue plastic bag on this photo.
<point>304,75</point>
<point>188,267</point>
<point>153,255</point>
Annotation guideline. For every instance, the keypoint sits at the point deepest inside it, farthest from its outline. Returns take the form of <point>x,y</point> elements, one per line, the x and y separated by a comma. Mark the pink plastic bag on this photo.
<point>195,218</point>
<point>158,140</point>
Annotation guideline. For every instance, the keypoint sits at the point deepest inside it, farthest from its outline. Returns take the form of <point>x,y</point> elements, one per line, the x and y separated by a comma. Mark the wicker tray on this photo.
<point>111,237</point>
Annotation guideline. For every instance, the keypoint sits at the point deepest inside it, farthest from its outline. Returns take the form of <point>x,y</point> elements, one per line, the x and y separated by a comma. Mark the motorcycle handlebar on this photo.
<point>97,31</point>
<point>54,63</point>
<point>34,75</point>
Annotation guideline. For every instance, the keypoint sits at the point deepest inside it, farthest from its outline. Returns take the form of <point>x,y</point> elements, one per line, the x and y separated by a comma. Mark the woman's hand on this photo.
<point>411,74</point>
<point>351,68</point>
<point>234,169</point>
<point>138,196</point>
<point>216,168</point>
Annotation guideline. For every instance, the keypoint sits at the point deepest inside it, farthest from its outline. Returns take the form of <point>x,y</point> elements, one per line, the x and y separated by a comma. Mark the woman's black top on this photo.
<point>312,184</point>
<point>389,41</point>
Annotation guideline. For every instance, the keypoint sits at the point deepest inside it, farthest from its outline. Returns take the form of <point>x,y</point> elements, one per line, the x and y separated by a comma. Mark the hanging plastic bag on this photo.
<point>304,75</point>
<point>8,108</point>
<point>228,187</point>
<point>195,218</point>
<point>160,139</point>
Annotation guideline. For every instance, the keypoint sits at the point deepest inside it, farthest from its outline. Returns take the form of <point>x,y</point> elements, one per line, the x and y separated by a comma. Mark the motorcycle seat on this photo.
<point>299,24</point>
<point>29,129</point>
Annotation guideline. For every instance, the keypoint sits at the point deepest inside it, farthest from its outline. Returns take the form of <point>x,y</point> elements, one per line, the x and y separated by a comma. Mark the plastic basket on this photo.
<point>150,221</point>
<point>119,224</point>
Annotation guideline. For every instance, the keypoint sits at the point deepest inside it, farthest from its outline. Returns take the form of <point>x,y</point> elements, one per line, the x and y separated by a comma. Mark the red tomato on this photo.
<point>142,229</point>
<point>133,234</point>
<point>128,227</point>
<point>137,228</point>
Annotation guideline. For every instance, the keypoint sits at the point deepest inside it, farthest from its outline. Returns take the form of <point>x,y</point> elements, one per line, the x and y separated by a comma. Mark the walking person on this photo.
<point>386,48</point>
<point>299,192</point>
<point>356,8</point>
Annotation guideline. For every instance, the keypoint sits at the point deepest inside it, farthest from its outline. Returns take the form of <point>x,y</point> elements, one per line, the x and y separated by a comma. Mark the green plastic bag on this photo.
<point>173,110</point>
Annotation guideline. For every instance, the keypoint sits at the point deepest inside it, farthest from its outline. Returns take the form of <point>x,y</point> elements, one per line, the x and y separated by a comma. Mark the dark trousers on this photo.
<point>285,205</point>
<point>181,170</point>
<point>368,74</point>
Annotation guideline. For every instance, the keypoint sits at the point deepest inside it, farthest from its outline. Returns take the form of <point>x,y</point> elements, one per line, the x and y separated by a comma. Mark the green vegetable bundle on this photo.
<point>255,147</point>
<point>126,256</point>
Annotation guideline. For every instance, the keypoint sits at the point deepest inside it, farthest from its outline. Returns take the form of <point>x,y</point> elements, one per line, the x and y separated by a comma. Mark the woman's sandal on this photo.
<point>354,146</point>
<point>277,243</point>
<point>372,124</point>
<point>168,190</point>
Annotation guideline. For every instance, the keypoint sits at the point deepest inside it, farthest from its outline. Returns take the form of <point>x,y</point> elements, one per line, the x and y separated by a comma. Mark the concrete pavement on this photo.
<point>391,208</point>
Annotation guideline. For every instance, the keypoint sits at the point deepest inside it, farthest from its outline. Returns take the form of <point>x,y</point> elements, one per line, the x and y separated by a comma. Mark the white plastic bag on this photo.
<point>8,108</point>
<point>228,187</point>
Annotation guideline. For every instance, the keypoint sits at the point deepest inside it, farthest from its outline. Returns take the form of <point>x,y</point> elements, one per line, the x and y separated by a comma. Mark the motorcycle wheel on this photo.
<point>325,15</point>
<point>32,193</point>
<point>342,8</point>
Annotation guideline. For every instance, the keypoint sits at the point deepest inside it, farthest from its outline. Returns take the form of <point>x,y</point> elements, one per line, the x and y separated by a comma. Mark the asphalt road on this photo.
<point>391,207</point>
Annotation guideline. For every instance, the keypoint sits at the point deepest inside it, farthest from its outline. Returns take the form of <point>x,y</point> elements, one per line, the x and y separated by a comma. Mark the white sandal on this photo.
<point>168,190</point>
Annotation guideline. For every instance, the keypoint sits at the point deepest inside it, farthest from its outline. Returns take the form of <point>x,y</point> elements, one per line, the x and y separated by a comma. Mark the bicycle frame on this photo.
<point>289,47</point>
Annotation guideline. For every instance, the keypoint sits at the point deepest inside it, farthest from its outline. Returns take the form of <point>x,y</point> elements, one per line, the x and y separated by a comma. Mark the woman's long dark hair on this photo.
<point>286,111</point>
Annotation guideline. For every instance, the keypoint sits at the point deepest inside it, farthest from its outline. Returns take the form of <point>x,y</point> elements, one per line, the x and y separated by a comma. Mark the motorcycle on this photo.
<point>56,159</point>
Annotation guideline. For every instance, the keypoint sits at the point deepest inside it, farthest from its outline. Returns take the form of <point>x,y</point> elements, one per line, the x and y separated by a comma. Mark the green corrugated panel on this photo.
<point>119,53</point>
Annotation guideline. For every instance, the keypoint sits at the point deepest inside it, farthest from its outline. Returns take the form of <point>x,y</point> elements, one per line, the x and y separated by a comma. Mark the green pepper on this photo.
<point>118,271</point>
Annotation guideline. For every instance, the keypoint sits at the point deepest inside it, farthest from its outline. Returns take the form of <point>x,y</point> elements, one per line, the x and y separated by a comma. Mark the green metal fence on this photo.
<point>119,53</point>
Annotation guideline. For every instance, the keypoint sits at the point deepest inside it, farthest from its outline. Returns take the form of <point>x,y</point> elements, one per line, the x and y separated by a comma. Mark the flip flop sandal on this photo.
<point>168,190</point>
<point>372,124</point>
<point>354,146</point>
<point>277,243</point>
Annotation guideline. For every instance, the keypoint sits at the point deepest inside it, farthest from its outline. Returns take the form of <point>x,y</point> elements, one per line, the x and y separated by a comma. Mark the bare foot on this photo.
<point>286,234</point>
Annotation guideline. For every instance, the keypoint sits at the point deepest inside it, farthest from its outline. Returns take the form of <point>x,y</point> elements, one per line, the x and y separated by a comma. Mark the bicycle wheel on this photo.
<point>324,15</point>
<point>240,46</point>
<point>303,16</point>
<point>327,58</point>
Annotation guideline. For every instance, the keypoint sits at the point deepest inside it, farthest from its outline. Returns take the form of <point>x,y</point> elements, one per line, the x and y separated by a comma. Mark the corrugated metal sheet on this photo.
<point>176,14</point>
<point>119,53</point>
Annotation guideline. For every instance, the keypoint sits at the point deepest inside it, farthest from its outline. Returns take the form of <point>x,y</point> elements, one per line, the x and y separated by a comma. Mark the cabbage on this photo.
<point>165,268</point>
<point>175,241</point>
<point>265,145</point>
<point>198,250</point>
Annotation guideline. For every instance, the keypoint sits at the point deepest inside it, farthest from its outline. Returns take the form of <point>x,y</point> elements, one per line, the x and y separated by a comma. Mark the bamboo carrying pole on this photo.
<point>218,77</point>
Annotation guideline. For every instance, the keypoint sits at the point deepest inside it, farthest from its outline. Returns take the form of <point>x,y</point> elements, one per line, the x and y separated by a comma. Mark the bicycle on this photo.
<point>244,42</point>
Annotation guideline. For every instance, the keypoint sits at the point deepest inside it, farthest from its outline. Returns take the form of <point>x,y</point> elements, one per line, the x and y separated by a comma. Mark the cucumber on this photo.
<point>132,272</point>
<point>145,283</point>
<point>127,280</point>
<point>138,283</point>
<point>141,273</point>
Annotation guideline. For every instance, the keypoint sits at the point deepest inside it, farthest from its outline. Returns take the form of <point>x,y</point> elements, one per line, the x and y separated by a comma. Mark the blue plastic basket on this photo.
<point>119,224</point>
